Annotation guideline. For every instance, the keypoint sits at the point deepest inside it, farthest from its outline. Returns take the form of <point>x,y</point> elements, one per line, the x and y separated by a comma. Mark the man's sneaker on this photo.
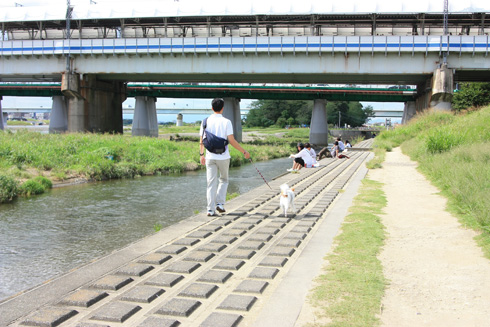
<point>220,208</point>
<point>290,169</point>
<point>211,213</point>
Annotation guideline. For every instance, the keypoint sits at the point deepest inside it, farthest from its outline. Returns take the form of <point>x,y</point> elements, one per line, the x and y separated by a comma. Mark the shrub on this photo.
<point>8,189</point>
<point>44,181</point>
<point>31,187</point>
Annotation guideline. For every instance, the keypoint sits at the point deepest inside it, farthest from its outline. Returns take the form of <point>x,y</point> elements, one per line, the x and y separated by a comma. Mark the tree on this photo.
<point>471,95</point>
<point>265,113</point>
<point>351,113</point>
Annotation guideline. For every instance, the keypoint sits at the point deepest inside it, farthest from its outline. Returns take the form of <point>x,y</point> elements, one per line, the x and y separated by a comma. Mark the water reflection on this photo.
<point>49,234</point>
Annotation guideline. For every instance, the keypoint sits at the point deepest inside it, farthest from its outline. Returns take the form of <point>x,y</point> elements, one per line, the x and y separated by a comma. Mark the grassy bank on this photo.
<point>453,152</point>
<point>349,291</point>
<point>25,155</point>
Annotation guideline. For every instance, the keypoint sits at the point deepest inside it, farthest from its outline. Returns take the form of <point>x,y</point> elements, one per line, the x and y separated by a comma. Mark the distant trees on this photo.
<point>471,95</point>
<point>265,113</point>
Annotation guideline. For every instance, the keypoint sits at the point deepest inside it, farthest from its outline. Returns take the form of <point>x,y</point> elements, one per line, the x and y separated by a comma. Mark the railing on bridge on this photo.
<point>314,45</point>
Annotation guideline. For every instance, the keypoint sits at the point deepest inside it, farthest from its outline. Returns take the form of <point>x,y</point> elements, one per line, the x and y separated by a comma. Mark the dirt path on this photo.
<point>438,275</point>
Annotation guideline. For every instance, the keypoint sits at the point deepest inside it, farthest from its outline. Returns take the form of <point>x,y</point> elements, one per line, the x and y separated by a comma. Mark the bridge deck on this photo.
<point>206,271</point>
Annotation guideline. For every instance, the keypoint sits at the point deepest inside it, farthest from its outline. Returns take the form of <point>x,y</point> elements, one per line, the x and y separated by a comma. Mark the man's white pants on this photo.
<point>217,187</point>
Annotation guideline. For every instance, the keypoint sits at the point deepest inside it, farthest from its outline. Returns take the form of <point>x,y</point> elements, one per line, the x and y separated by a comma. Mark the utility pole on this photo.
<point>339,118</point>
<point>445,29</point>
<point>69,10</point>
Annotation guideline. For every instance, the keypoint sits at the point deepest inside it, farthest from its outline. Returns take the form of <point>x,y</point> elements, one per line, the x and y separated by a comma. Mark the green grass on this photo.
<point>453,152</point>
<point>349,291</point>
<point>25,154</point>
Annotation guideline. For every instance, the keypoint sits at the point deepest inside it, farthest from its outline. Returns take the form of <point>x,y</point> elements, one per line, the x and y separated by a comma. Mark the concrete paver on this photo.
<point>209,271</point>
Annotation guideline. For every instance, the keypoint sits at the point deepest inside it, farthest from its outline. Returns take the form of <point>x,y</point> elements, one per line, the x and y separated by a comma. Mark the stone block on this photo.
<point>289,243</point>
<point>267,230</point>
<point>155,258</point>
<point>210,228</point>
<point>243,226</point>
<point>222,239</point>
<point>212,247</point>
<point>276,224</point>
<point>112,283</point>
<point>251,286</point>
<point>49,316</point>
<point>159,322</point>
<point>238,302</point>
<point>234,232</point>
<point>282,251</point>
<point>215,276</point>
<point>295,236</point>
<point>251,245</point>
<point>115,312</point>
<point>83,298</point>
<point>199,290</point>
<point>187,241</point>
<point>218,319</point>
<point>199,256</point>
<point>301,229</point>
<point>221,222</point>
<point>273,261</point>
<point>238,213</point>
<point>263,273</point>
<point>172,249</point>
<point>179,307</point>
<point>142,294</point>
<point>199,234</point>
<point>309,223</point>
<point>241,254</point>
<point>164,279</point>
<point>134,269</point>
<point>260,237</point>
<point>183,267</point>
<point>85,324</point>
<point>229,264</point>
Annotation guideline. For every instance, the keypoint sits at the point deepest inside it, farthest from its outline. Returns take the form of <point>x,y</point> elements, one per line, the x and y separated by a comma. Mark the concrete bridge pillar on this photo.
<point>145,121</point>
<point>58,119</point>
<point>93,105</point>
<point>232,112</point>
<point>319,124</point>
<point>180,120</point>
<point>442,89</point>
<point>408,111</point>
<point>2,123</point>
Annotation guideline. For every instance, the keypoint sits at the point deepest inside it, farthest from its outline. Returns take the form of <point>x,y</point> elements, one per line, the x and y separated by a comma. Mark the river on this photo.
<point>46,235</point>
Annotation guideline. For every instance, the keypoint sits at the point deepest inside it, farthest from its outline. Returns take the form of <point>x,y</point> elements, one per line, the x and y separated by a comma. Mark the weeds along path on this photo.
<point>437,274</point>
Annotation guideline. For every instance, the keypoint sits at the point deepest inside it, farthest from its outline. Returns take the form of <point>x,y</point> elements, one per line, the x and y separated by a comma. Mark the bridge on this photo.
<point>303,44</point>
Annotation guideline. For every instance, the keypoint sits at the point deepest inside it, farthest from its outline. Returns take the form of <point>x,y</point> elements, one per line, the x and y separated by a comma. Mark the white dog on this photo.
<point>287,199</point>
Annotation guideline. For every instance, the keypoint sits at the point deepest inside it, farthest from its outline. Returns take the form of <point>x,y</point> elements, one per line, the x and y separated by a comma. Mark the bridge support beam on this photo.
<point>319,124</point>
<point>232,112</point>
<point>1,116</point>
<point>93,105</point>
<point>442,89</point>
<point>145,121</point>
<point>58,119</point>
<point>180,120</point>
<point>408,111</point>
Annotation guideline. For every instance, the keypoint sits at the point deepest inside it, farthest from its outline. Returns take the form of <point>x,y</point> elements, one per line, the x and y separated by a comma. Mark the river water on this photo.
<point>47,235</point>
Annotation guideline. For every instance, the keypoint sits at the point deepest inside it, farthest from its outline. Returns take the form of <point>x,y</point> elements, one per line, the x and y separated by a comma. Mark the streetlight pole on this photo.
<point>68,17</point>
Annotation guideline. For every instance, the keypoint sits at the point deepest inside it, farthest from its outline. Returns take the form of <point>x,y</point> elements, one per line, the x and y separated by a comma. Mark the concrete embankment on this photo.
<point>249,267</point>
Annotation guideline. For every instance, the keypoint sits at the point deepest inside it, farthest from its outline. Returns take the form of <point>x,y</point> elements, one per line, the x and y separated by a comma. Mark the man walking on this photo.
<point>218,163</point>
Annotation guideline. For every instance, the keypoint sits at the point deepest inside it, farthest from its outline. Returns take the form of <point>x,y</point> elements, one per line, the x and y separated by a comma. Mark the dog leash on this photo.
<point>259,173</point>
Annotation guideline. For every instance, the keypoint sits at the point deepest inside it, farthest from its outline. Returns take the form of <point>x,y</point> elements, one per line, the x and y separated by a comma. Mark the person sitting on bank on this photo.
<point>312,154</point>
<point>340,144</point>
<point>347,144</point>
<point>301,159</point>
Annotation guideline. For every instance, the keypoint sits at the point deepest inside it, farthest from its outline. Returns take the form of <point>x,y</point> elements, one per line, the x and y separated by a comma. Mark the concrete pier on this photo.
<point>58,120</point>
<point>442,89</point>
<point>249,267</point>
<point>180,120</point>
<point>145,121</point>
<point>2,127</point>
<point>319,124</point>
<point>409,111</point>
<point>232,112</point>
<point>93,106</point>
